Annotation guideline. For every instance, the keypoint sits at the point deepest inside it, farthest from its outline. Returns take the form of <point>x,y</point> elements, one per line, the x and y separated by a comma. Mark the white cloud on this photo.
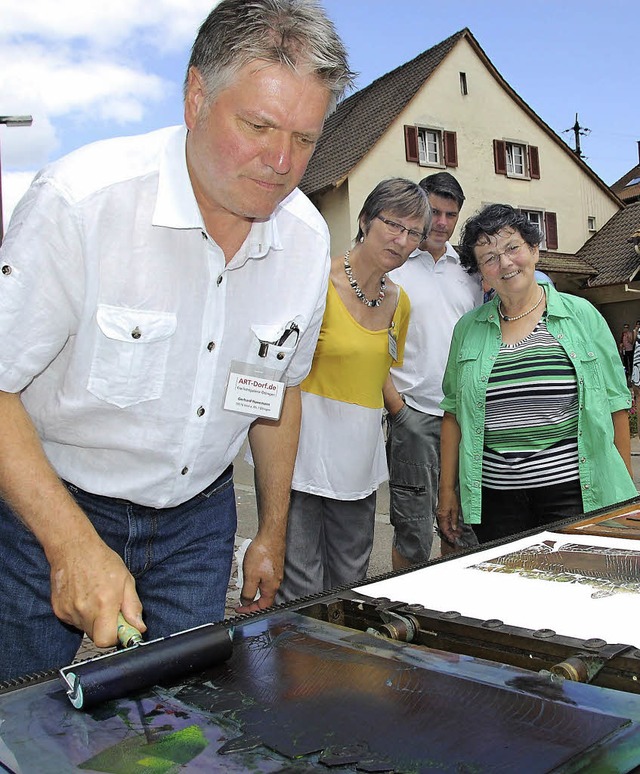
<point>168,23</point>
<point>78,64</point>
<point>97,59</point>
<point>60,81</point>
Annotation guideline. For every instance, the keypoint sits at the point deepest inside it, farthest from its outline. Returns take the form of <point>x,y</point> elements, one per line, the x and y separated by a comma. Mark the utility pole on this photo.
<point>10,121</point>
<point>578,131</point>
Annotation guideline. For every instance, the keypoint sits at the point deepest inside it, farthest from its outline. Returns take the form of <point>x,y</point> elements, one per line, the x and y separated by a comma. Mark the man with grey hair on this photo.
<point>160,301</point>
<point>440,291</point>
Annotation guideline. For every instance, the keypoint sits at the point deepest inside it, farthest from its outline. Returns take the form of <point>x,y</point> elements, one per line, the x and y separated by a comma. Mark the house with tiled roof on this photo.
<point>450,109</point>
<point>628,187</point>
<point>614,252</point>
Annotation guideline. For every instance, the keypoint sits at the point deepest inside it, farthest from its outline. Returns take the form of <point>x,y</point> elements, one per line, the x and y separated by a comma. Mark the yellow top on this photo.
<point>351,363</point>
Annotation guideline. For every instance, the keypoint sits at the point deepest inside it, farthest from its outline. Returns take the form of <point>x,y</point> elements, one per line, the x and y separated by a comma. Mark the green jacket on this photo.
<point>602,389</point>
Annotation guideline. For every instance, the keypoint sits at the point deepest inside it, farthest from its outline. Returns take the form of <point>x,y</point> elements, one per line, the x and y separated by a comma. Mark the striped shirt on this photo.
<point>531,419</point>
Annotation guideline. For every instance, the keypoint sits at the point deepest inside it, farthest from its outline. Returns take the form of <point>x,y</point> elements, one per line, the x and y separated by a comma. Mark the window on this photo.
<point>547,223</point>
<point>591,223</point>
<point>431,147</point>
<point>463,84</point>
<point>515,159</point>
<point>536,217</point>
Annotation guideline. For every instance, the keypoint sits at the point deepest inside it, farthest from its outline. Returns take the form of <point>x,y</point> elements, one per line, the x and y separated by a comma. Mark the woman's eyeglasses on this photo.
<point>398,228</point>
<point>493,259</point>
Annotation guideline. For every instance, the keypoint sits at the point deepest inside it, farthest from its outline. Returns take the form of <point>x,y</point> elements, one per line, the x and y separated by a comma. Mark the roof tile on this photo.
<point>622,188</point>
<point>564,263</point>
<point>360,120</point>
<point>610,251</point>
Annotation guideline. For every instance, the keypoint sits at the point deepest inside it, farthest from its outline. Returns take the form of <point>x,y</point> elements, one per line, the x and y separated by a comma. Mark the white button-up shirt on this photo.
<point>440,293</point>
<point>119,320</point>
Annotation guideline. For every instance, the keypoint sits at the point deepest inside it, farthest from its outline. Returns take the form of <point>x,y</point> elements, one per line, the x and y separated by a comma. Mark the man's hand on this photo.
<point>90,585</point>
<point>262,571</point>
<point>273,446</point>
<point>393,401</point>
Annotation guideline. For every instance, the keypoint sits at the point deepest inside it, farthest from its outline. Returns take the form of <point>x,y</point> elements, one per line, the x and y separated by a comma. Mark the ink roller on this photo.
<point>143,664</point>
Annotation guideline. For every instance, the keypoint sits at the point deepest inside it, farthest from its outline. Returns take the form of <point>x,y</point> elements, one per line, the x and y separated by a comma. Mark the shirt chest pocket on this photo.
<point>273,346</point>
<point>131,348</point>
<point>590,374</point>
<point>468,374</point>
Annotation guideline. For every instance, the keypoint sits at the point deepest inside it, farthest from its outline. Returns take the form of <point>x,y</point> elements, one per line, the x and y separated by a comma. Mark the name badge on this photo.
<point>253,390</point>
<point>393,345</point>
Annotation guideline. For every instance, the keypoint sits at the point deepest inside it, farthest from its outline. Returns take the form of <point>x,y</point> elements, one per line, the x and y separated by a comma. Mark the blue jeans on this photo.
<point>180,558</point>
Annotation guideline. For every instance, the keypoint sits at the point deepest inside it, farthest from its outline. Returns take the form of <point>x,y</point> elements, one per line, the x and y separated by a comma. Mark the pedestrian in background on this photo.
<point>627,343</point>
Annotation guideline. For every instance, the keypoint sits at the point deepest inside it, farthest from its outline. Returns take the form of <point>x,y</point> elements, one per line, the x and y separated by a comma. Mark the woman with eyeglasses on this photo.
<point>341,459</point>
<point>536,425</point>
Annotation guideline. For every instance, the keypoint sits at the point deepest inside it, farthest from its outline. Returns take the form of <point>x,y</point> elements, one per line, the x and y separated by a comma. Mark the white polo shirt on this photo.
<point>119,319</point>
<point>440,293</point>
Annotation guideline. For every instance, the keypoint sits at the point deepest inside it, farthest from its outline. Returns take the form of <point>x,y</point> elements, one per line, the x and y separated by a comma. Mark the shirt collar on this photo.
<point>555,303</point>
<point>176,205</point>
<point>264,236</point>
<point>488,312</point>
<point>449,254</point>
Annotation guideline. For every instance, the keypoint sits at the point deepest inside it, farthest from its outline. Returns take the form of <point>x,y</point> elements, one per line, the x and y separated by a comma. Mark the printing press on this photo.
<point>522,656</point>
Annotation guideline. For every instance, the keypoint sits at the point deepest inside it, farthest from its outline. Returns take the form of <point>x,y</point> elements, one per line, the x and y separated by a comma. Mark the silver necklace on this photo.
<point>358,290</point>
<point>524,314</point>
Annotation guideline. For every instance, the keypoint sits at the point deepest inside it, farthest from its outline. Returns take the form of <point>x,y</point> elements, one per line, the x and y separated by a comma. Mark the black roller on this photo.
<point>124,672</point>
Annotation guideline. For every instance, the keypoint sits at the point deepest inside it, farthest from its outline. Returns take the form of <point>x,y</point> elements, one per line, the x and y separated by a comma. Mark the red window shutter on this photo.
<point>500,157</point>
<point>450,149</point>
<point>411,143</point>
<point>551,230</point>
<point>534,163</point>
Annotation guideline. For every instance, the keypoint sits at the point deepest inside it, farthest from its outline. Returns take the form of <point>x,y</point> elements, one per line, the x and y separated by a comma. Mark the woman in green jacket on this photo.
<point>536,426</point>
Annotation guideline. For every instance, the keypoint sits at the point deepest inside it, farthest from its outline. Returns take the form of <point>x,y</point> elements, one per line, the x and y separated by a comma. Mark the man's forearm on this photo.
<point>89,582</point>
<point>393,401</point>
<point>274,446</point>
<point>29,484</point>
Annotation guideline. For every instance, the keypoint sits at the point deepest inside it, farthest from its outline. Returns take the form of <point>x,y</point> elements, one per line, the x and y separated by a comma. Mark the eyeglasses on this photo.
<point>493,259</point>
<point>398,228</point>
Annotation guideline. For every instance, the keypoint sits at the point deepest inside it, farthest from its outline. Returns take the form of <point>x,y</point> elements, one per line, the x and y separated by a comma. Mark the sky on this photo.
<point>89,70</point>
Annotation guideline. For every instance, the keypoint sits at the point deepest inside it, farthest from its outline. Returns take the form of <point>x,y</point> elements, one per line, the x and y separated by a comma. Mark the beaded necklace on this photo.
<point>358,290</point>
<point>524,314</point>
